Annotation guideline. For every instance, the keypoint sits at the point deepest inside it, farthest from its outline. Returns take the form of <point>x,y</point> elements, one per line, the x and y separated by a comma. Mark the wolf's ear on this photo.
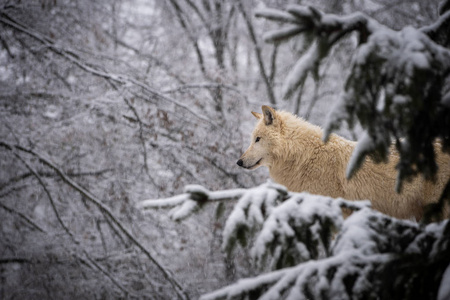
<point>269,114</point>
<point>257,115</point>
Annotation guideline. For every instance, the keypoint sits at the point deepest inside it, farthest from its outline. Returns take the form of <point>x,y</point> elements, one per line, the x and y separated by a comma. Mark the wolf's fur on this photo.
<point>293,151</point>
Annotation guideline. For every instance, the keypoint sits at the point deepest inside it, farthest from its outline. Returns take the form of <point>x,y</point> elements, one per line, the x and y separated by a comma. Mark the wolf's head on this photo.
<point>264,139</point>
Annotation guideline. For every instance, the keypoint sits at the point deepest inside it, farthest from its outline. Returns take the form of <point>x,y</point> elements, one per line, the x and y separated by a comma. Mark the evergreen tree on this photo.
<point>397,88</point>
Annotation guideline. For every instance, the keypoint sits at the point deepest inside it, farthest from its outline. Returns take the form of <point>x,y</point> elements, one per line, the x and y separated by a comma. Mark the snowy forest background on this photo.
<point>106,103</point>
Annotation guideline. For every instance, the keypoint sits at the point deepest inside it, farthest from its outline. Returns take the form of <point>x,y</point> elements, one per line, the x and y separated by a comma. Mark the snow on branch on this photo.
<point>193,198</point>
<point>290,235</point>
<point>293,227</point>
<point>114,80</point>
<point>254,204</point>
<point>396,88</point>
<point>327,30</point>
<point>368,245</point>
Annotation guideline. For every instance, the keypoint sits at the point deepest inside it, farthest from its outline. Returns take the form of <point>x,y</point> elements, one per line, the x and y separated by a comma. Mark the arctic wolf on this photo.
<point>297,158</point>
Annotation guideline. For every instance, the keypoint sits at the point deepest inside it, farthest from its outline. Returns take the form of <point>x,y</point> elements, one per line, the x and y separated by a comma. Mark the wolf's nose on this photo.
<point>240,163</point>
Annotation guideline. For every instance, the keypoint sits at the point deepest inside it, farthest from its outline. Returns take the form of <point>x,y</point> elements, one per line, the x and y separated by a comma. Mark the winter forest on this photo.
<point>121,122</point>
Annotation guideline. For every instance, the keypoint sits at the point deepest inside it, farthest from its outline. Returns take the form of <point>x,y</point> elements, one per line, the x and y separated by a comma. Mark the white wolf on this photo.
<point>297,158</point>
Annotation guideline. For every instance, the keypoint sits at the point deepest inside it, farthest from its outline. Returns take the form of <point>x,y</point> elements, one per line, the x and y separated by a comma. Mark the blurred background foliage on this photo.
<point>106,103</point>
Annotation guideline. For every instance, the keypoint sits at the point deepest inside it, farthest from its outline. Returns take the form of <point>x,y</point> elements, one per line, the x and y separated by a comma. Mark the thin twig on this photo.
<point>24,217</point>
<point>106,211</point>
<point>15,260</point>
<point>141,138</point>
<point>188,32</point>
<point>105,272</point>
<point>96,71</point>
<point>157,61</point>
<point>52,174</point>
<point>44,186</point>
<point>257,48</point>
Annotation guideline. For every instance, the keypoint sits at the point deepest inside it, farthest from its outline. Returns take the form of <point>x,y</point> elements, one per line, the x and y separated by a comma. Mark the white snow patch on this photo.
<point>444,289</point>
<point>53,111</point>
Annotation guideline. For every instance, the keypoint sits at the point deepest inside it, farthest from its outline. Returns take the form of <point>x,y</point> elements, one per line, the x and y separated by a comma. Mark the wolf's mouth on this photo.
<point>256,164</point>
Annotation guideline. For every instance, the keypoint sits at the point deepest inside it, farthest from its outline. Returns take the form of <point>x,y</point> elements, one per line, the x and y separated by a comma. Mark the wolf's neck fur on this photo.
<point>303,163</point>
<point>302,159</point>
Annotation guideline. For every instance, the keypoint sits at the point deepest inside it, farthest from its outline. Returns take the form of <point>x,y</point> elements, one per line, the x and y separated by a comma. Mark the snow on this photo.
<point>196,189</point>
<point>434,27</point>
<point>275,15</point>
<point>294,225</point>
<point>250,211</point>
<point>84,126</point>
<point>53,112</point>
<point>280,34</point>
<point>297,76</point>
<point>444,288</point>
<point>291,281</point>
<point>243,285</point>
<point>385,72</point>
<point>365,145</point>
<point>5,73</point>
<point>283,228</point>
<point>183,211</point>
<point>190,201</point>
<point>161,203</point>
<point>356,234</point>
<point>365,240</point>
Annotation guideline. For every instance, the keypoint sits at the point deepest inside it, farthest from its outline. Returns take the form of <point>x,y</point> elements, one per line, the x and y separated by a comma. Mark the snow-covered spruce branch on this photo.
<point>368,245</point>
<point>328,29</point>
<point>304,281</point>
<point>289,227</point>
<point>307,19</point>
<point>392,72</point>
<point>292,227</point>
<point>104,209</point>
<point>291,236</point>
<point>195,196</point>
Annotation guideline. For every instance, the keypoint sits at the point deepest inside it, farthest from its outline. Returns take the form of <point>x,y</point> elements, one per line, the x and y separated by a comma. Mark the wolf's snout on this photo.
<point>240,163</point>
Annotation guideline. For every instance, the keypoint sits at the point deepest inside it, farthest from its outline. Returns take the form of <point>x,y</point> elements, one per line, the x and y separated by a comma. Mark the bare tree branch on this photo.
<point>24,176</point>
<point>93,264</point>
<point>209,85</point>
<point>24,217</point>
<point>141,138</point>
<point>114,78</point>
<point>156,60</point>
<point>44,186</point>
<point>15,260</point>
<point>273,64</point>
<point>198,52</point>
<point>258,54</point>
<point>106,211</point>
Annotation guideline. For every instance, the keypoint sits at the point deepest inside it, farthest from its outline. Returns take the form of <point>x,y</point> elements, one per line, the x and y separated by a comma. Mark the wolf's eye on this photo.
<point>257,139</point>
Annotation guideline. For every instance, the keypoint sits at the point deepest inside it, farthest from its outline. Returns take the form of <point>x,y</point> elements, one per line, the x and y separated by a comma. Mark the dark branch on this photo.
<point>105,210</point>
<point>257,48</point>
